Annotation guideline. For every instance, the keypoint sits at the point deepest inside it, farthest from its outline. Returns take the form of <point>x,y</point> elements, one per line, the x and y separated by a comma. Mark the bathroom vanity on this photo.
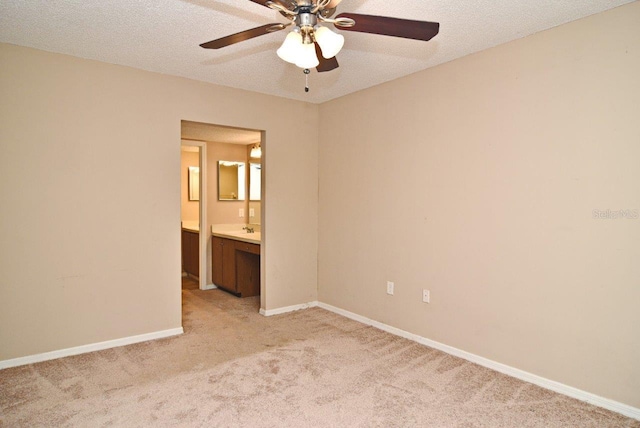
<point>190,251</point>
<point>236,262</point>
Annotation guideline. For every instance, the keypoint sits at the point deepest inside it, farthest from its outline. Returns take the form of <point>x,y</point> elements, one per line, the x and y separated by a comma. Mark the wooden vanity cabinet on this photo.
<point>247,247</point>
<point>247,269</point>
<point>191,252</point>
<point>236,266</point>
<point>224,263</point>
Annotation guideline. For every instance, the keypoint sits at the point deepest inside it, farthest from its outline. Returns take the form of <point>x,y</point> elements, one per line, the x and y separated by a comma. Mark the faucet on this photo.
<point>249,229</point>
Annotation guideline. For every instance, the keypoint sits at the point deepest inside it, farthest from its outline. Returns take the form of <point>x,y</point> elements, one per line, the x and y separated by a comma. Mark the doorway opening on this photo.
<point>230,209</point>
<point>192,209</point>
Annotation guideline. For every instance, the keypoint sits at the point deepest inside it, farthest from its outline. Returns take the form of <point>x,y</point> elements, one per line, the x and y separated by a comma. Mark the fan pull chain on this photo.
<point>306,79</point>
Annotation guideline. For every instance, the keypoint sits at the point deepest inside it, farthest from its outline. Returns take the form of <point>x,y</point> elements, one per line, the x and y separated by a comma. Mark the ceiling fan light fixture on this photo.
<point>307,57</point>
<point>330,42</point>
<point>291,48</point>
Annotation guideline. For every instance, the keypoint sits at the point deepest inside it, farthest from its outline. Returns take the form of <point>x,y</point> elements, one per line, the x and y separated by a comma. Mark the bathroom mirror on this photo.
<point>231,181</point>
<point>194,183</point>
<point>255,170</point>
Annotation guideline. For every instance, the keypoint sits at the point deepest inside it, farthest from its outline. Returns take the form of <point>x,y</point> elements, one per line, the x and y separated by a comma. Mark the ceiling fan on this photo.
<point>311,45</point>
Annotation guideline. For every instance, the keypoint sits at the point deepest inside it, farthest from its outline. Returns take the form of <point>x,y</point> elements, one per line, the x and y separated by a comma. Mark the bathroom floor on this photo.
<point>189,283</point>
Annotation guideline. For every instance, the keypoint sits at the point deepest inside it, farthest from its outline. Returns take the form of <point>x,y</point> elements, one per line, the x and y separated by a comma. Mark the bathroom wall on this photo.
<point>223,212</point>
<point>488,180</point>
<point>190,210</point>
<point>256,206</point>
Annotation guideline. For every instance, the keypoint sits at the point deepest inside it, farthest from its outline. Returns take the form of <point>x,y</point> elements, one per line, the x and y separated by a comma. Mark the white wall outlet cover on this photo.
<point>252,212</point>
<point>426,296</point>
<point>390,287</point>
<point>241,212</point>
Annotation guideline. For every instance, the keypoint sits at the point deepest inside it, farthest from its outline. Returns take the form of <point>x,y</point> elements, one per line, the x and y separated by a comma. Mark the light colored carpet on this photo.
<point>312,368</point>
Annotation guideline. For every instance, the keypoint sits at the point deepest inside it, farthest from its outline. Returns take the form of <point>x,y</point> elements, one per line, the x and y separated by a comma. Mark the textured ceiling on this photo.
<point>164,36</point>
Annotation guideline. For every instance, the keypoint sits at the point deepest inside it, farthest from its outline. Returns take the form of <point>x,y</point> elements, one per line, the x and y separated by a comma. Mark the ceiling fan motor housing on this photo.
<point>306,21</point>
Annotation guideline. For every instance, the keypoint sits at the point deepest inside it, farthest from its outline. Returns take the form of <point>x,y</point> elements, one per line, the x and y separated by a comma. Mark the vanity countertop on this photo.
<point>191,226</point>
<point>235,231</point>
<point>251,238</point>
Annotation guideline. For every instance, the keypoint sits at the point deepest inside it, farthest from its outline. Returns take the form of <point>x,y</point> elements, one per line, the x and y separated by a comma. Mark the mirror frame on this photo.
<point>240,184</point>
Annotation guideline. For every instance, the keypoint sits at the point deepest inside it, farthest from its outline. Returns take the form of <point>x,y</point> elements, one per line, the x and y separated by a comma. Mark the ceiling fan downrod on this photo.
<point>306,79</point>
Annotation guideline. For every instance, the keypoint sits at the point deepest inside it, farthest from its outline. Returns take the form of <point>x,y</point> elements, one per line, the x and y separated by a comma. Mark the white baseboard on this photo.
<point>279,311</point>
<point>30,359</point>
<point>570,391</point>
<point>210,287</point>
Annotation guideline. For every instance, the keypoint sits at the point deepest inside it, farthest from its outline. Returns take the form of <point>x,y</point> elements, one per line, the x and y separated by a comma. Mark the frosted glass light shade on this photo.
<point>256,152</point>
<point>291,48</point>
<point>329,41</point>
<point>307,57</point>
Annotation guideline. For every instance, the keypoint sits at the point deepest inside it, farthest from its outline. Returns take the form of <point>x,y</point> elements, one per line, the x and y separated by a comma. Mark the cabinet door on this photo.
<point>248,272</point>
<point>217,245</point>
<point>190,253</point>
<point>229,265</point>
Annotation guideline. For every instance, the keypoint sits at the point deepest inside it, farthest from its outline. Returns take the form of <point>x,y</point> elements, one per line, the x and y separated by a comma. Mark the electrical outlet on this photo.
<point>426,296</point>
<point>252,212</point>
<point>390,286</point>
<point>241,212</point>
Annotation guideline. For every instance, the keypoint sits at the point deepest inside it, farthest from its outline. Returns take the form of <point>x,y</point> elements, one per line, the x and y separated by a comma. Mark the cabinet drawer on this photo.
<point>247,247</point>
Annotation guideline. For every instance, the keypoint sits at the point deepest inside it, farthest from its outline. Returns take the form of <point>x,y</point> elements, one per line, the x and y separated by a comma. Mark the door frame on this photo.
<point>202,235</point>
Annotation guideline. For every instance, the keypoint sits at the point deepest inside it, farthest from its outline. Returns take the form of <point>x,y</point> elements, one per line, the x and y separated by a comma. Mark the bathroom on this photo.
<point>221,207</point>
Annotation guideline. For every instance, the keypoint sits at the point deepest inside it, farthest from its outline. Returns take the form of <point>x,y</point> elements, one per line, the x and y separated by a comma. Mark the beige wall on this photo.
<point>90,166</point>
<point>477,180</point>
<point>190,210</point>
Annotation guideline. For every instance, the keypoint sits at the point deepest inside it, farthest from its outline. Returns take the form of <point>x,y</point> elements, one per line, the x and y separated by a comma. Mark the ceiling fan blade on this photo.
<point>325,64</point>
<point>405,28</point>
<point>242,36</point>
<point>332,4</point>
<point>284,3</point>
